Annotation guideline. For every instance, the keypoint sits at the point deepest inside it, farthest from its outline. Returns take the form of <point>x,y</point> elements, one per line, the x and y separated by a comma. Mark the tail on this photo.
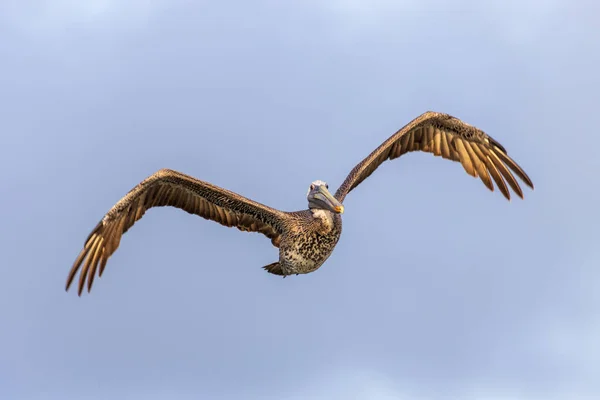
<point>275,269</point>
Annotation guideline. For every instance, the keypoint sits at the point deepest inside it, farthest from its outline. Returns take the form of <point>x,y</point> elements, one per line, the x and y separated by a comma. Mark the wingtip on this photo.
<point>530,184</point>
<point>68,283</point>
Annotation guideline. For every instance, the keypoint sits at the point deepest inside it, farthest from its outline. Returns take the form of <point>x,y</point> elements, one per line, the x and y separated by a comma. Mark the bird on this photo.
<point>305,238</point>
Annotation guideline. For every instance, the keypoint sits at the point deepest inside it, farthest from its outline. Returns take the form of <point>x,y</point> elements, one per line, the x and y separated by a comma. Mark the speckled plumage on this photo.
<point>305,238</point>
<point>310,239</point>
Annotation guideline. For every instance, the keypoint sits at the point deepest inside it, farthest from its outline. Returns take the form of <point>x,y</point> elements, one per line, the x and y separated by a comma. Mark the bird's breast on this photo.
<point>308,251</point>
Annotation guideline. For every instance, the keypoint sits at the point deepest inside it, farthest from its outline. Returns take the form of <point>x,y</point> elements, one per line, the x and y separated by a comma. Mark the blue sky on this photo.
<point>438,288</point>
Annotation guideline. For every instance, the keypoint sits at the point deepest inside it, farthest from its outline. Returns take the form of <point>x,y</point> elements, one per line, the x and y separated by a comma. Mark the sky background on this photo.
<point>438,288</point>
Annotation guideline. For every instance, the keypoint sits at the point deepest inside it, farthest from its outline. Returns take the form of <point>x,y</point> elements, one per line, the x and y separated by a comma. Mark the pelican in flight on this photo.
<point>305,238</point>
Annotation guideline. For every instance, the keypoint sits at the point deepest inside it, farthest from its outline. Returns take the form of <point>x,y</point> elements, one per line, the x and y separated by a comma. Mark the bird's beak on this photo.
<point>328,201</point>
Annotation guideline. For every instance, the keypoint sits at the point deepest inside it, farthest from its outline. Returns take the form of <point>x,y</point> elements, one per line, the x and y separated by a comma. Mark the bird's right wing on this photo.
<point>171,188</point>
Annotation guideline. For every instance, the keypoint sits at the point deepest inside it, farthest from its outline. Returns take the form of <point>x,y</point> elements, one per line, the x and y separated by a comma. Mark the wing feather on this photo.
<point>449,137</point>
<point>171,188</point>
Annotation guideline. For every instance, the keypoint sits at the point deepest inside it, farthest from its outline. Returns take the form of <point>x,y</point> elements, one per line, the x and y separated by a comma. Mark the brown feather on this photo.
<point>505,172</point>
<point>446,153</point>
<point>437,140</point>
<point>479,166</point>
<point>514,166</point>
<point>465,160</point>
<point>491,168</point>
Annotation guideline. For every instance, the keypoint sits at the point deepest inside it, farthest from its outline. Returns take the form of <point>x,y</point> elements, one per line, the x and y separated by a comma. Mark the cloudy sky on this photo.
<point>438,289</point>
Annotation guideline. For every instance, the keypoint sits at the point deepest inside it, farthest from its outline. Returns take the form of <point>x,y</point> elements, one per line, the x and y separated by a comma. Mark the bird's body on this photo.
<point>307,242</point>
<point>305,238</point>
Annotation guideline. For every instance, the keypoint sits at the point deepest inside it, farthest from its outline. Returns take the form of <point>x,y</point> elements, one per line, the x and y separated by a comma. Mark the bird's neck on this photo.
<point>324,217</point>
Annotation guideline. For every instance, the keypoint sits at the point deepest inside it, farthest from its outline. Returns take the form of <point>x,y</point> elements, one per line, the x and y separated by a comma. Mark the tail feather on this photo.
<point>274,268</point>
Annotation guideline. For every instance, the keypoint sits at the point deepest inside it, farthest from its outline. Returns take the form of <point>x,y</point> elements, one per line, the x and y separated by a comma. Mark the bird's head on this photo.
<point>319,198</point>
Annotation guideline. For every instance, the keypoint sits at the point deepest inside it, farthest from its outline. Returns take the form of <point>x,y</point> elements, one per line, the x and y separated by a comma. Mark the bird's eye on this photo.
<point>326,186</point>
<point>312,187</point>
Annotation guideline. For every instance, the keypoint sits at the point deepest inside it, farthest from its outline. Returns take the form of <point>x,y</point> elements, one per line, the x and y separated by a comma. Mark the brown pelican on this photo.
<point>305,238</point>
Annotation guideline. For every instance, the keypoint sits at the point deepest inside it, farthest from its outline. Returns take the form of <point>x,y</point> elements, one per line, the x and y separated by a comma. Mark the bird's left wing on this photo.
<point>452,139</point>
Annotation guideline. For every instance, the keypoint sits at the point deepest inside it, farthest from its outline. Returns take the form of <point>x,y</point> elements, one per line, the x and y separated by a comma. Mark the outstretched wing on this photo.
<point>171,188</point>
<point>451,138</point>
